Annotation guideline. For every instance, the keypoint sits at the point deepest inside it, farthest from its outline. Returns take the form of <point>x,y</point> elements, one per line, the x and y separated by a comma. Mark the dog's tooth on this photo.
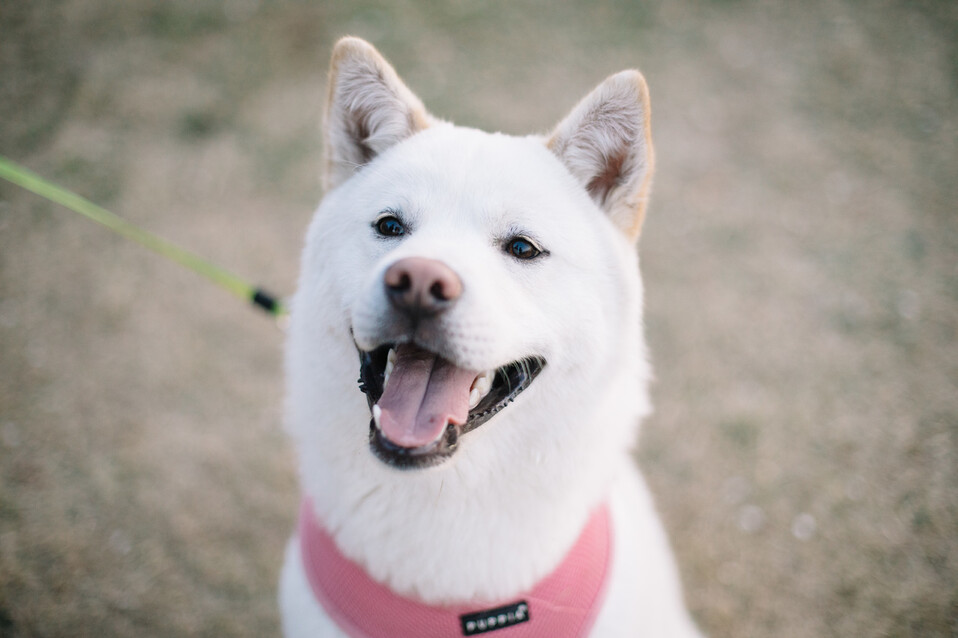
<point>478,381</point>
<point>390,362</point>
<point>377,413</point>
<point>480,388</point>
<point>483,383</point>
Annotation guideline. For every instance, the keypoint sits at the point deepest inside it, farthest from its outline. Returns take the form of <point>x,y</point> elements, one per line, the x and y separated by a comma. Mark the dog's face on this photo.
<point>455,270</point>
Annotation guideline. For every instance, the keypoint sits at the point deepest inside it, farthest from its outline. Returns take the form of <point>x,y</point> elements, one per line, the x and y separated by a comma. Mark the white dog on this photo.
<point>485,289</point>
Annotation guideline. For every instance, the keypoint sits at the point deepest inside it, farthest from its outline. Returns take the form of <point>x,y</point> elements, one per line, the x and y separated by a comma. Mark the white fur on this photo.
<point>500,514</point>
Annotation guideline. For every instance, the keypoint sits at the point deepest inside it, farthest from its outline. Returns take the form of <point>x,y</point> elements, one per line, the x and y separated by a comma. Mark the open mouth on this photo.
<point>422,404</point>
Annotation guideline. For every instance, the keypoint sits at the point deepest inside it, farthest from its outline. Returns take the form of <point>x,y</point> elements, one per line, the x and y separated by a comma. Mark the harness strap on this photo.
<point>563,605</point>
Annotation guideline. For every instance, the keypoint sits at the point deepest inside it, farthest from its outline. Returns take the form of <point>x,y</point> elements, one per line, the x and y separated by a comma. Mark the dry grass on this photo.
<point>800,259</point>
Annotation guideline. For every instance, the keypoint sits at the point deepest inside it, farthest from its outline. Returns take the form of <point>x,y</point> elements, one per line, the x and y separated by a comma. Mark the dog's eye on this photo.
<point>389,226</point>
<point>522,248</point>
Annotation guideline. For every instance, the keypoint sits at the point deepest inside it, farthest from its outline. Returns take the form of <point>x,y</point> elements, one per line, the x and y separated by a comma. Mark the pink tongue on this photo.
<point>424,393</point>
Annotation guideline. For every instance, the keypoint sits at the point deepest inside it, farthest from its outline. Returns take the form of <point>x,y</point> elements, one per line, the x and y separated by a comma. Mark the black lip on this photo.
<point>510,380</point>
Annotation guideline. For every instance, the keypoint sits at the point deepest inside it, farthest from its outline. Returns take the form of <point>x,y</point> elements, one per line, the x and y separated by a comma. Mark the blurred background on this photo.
<point>800,258</point>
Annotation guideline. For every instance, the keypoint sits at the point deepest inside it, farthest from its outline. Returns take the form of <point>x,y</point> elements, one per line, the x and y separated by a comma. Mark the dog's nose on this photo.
<point>421,286</point>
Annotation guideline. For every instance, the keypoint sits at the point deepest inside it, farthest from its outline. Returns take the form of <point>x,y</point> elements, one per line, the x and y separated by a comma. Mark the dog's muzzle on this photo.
<point>421,403</point>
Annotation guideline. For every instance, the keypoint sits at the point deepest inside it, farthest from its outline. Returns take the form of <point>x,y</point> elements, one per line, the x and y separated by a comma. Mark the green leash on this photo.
<point>13,172</point>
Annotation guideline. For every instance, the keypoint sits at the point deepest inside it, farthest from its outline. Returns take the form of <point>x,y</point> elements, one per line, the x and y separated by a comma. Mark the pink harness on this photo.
<point>563,605</point>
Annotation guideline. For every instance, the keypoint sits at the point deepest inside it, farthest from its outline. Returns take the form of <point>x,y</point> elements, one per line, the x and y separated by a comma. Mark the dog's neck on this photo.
<point>497,516</point>
<point>488,523</point>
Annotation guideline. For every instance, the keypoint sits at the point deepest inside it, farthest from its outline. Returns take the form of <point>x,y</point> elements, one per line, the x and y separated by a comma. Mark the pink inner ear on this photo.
<point>608,179</point>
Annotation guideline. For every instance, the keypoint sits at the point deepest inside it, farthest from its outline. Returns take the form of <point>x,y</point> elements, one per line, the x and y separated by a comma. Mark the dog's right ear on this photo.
<point>368,109</point>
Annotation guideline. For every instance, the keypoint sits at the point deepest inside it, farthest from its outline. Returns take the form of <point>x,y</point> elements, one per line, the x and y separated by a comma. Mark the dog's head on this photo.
<point>457,272</point>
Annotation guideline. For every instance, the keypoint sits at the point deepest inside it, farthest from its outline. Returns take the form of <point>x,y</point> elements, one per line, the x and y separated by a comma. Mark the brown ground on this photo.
<point>801,258</point>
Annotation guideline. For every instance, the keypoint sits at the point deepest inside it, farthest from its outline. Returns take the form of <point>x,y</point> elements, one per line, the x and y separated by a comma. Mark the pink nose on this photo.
<point>421,287</point>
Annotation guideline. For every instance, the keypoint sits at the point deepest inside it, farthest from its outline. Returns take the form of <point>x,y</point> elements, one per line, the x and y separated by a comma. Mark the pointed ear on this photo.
<point>368,109</point>
<point>606,143</point>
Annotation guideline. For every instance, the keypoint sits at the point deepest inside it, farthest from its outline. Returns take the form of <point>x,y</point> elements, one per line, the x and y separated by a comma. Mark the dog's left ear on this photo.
<point>606,143</point>
<point>368,109</point>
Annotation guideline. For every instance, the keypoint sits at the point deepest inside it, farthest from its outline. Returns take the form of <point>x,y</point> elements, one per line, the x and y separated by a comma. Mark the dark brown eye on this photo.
<point>522,248</point>
<point>389,226</point>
